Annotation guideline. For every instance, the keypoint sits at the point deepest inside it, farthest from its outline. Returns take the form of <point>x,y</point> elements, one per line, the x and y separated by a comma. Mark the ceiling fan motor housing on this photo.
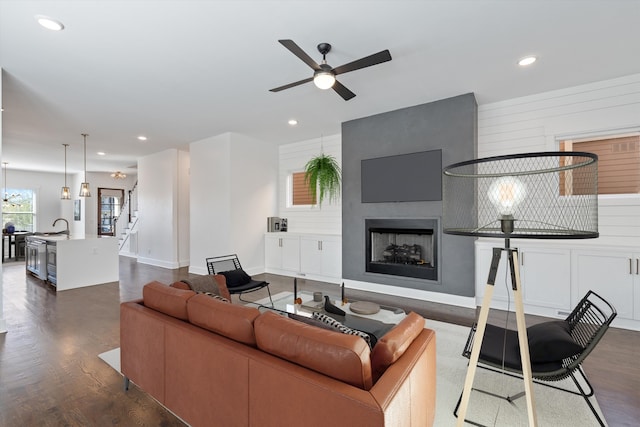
<point>324,48</point>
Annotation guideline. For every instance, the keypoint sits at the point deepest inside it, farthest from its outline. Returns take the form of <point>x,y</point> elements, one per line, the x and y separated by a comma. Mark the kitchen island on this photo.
<point>69,263</point>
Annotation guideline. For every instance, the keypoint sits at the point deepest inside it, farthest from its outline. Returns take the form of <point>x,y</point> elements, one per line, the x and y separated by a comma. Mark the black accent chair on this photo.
<point>557,348</point>
<point>238,282</point>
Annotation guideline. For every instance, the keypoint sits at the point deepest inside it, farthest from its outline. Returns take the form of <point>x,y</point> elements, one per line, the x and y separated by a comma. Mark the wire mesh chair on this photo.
<point>588,322</point>
<point>238,282</point>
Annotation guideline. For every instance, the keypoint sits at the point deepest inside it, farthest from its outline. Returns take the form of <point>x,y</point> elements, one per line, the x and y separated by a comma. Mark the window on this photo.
<point>618,161</point>
<point>19,209</point>
<point>299,194</point>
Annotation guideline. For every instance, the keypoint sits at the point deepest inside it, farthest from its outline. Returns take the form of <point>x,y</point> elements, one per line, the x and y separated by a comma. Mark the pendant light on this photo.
<point>65,193</point>
<point>6,195</point>
<point>84,187</point>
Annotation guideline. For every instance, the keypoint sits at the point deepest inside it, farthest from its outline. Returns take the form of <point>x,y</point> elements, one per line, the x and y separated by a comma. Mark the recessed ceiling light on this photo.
<point>49,23</point>
<point>293,122</point>
<point>527,61</point>
<point>101,153</point>
<point>142,138</point>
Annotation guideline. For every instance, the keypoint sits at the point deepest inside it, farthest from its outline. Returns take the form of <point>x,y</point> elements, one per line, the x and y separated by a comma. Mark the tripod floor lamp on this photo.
<point>547,195</point>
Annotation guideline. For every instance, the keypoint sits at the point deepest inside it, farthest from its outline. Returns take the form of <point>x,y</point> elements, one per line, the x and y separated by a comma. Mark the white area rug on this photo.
<point>112,358</point>
<point>554,408</point>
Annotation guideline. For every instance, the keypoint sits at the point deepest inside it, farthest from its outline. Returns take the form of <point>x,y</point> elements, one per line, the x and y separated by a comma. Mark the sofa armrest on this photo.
<point>409,384</point>
<point>142,347</point>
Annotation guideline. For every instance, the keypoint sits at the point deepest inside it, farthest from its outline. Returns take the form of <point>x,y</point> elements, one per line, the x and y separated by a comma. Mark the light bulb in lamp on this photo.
<point>506,193</point>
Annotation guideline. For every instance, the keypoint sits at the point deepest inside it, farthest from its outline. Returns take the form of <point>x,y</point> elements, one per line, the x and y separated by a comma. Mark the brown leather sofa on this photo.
<point>213,363</point>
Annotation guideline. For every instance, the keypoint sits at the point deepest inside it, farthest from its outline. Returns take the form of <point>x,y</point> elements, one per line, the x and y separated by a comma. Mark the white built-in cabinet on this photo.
<point>613,274</point>
<point>556,275</point>
<point>545,275</point>
<point>313,256</point>
<point>321,256</point>
<point>282,253</point>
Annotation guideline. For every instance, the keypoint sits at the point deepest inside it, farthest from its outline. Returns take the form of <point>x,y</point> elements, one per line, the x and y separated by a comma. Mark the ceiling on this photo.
<point>181,71</point>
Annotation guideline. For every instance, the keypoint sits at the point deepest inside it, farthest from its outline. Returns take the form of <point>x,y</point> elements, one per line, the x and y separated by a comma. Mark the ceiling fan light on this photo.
<point>324,79</point>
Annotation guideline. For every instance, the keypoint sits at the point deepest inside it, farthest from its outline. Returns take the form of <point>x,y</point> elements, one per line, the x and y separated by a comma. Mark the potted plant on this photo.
<point>323,176</point>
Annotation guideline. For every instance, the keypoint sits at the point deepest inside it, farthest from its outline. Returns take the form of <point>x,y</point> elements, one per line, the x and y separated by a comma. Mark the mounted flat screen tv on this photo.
<point>413,177</point>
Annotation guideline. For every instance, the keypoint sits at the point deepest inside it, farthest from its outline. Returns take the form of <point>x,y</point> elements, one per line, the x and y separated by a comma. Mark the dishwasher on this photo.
<point>52,276</point>
<point>36,257</point>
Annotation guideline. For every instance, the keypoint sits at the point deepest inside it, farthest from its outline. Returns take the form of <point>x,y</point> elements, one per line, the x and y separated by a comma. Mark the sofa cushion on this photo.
<point>230,320</point>
<point>236,277</point>
<point>166,299</point>
<point>343,357</point>
<point>394,343</point>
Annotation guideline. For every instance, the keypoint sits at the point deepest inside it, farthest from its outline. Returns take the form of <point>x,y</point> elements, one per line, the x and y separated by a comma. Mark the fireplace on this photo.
<point>402,247</point>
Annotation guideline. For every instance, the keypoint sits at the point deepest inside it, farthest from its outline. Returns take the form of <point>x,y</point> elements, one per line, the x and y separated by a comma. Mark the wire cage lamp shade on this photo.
<point>546,195</point>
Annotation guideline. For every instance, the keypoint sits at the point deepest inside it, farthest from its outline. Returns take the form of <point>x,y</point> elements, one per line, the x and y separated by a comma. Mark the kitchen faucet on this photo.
<point>66,222</point>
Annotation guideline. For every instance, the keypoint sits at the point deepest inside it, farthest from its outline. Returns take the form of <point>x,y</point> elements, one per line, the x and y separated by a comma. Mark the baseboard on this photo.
<point>3,326</point>
<point>158,263</point>
<point>128,254</point>
<point>198,270</point>
<point>442,298</point>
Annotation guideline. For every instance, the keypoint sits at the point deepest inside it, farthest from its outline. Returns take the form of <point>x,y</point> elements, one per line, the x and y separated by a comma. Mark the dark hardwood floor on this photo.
<point>50,373</point>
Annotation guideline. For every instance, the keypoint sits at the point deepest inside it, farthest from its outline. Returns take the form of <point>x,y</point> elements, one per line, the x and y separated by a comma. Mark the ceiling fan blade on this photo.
<point>368,61</point>
<point>295,49</point>
<point>278,89</point>
<point>341,90</point>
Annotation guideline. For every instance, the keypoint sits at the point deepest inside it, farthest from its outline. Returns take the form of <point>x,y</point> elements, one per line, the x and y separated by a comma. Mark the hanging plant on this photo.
<point>323,176</point>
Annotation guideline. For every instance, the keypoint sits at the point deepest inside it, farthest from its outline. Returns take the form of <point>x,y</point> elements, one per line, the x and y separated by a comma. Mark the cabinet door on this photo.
<point>546,277</point>
<point>609,274</point>
<point>310,255</point>
<point>272,252</point>
<point>290,253</point>
<point>636,285</point>
<point>331,252</point>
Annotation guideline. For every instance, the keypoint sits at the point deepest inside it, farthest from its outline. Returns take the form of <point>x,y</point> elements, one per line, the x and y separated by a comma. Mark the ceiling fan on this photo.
<point>324,75</point>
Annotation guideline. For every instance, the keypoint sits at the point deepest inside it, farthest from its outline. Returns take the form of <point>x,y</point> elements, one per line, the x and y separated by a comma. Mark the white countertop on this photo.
<point>63,237</point>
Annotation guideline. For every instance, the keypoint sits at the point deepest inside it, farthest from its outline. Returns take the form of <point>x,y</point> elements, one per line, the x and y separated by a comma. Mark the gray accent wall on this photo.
<point>450,125</point>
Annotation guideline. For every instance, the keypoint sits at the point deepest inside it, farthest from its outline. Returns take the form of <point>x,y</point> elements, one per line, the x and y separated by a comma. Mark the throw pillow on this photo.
<point>214,296</point>
<point>236,277</point>
<point>340,327</point>
<point>310,321</point>
<point>551,342</point>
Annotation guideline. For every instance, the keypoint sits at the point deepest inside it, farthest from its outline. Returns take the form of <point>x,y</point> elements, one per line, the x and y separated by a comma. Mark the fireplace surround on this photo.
<point>402,247</point>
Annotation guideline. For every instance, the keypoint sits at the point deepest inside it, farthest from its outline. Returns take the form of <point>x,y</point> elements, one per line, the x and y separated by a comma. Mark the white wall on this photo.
<point>537,122</point>
<point>292,158</point>
<point>184,178</point>
<point>47,188</point>
<point>158,231</point>
<point>3,325</point>
<point>233,191</point>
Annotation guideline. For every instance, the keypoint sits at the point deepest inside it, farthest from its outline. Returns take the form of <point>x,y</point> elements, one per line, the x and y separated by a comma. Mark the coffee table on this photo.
<point>375,324</point>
